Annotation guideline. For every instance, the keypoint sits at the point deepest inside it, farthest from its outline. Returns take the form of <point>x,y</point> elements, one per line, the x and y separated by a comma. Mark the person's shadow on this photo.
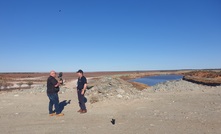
<point>63,104</point>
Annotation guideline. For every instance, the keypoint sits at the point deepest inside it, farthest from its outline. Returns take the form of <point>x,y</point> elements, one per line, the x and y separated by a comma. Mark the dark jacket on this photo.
<point>51,82</point>
<point>81,82</point>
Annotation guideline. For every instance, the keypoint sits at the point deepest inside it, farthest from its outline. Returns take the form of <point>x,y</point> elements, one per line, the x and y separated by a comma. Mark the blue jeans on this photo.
<point>53,100</point>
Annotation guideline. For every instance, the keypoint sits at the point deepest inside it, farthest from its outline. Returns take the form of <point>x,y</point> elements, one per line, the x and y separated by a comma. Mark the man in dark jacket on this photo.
<point>81,88</point>
<point>52,92</point>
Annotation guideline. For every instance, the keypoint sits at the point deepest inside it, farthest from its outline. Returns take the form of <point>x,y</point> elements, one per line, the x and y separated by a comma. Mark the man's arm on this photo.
<point>55,83</point>
<point>58,84</point>
<point>84,89</point>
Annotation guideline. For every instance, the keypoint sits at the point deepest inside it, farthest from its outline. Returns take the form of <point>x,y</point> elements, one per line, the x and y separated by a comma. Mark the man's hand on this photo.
<point>58,84</point>
<point>82,92</point>
<point>60,81</point>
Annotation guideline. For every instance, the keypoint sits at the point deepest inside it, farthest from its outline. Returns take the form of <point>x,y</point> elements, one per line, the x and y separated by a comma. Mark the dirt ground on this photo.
<point>192,112</point>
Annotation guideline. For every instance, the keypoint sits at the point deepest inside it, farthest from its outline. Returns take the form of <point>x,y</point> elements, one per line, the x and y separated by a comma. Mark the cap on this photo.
<point>80,71</point>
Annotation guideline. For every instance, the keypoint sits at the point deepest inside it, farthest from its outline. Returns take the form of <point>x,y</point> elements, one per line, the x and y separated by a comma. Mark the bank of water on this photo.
<point>154,80</point>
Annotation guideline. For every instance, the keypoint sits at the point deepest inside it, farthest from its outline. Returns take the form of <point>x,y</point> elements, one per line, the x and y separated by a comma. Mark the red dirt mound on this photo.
<point>210,78</point>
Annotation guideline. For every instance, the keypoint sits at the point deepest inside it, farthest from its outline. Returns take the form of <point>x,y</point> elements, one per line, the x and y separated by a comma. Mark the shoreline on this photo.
<point>142,86</point>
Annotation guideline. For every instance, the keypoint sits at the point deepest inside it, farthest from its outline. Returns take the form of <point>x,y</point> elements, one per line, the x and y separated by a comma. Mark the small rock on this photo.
<point>120,91</point>
<point>119,96</point>
<point>152,125</point>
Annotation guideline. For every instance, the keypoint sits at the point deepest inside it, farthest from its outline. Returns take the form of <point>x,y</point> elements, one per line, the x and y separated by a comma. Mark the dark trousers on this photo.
<point>81,100</point>
<point>53,101</point>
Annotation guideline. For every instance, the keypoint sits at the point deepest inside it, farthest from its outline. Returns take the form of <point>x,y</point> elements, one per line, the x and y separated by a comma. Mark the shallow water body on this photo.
<point>154,80</point>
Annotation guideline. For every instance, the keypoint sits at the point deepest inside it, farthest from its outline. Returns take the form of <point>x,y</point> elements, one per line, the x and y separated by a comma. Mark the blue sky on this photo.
<point>109,35</point>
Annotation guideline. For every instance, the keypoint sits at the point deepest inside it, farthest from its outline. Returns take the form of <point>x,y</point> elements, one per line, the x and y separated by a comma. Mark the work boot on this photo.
<point>83,112</point>
<point>59,114</point>
<point>79,111</point>
<point>52,114</point>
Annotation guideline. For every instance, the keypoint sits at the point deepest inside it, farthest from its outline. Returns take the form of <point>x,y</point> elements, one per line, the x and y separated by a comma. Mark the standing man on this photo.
<point>52,92</point>
<point>81,88</point>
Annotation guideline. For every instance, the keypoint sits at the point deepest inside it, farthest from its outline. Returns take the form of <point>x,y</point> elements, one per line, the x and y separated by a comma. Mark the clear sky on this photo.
<point>109,35</point>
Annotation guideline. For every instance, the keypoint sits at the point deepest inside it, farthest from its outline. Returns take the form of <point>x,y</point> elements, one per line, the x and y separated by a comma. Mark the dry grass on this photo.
<point>211,78</point>
<point>139,86</point>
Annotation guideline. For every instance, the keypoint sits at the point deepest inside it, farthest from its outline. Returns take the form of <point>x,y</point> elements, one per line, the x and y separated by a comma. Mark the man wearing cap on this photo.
<point>52,92</point>
<point>81,88</point>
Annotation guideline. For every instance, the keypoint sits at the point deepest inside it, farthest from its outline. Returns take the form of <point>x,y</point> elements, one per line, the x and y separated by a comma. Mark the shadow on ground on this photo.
<point>63,104</point>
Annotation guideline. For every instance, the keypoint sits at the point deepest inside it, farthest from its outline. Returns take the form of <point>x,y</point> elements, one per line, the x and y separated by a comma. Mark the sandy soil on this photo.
<point>193,112</point>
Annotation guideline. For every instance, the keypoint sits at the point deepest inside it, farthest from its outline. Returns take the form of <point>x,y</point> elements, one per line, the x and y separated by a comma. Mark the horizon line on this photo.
<point>111,71</point>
